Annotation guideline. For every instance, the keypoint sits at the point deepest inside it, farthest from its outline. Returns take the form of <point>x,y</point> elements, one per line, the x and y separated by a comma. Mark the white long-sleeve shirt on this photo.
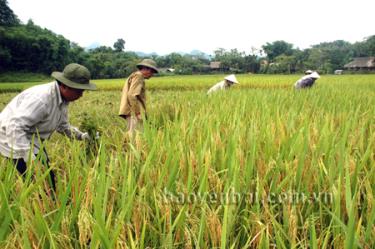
<point>33,114</point>
<point>218,86</point>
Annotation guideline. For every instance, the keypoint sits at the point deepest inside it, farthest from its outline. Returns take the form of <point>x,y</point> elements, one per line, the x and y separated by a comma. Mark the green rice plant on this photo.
<point>90,126</point>
<point>258,166</point>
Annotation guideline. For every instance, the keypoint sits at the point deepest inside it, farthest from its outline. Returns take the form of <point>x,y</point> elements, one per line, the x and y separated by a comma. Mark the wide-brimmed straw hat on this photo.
<point>232,78</point>
<point>148,63</point>
<point>75,76</point>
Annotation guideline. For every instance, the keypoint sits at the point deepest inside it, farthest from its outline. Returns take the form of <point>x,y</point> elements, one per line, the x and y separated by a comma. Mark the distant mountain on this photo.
<point>193,52</point>
<point>142,54</point>
<point>200,53</point>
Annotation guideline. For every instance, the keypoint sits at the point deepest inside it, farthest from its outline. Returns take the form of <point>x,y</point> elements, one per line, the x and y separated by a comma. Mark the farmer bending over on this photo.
<point>307,81</point>
<point>34,114</point>
<point>228,81</point>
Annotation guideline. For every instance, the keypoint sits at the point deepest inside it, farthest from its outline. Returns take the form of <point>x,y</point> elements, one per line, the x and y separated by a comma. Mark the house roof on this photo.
<point>361,62</point>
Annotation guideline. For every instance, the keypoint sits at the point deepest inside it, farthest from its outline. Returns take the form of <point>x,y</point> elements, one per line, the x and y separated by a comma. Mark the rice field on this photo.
<point>258,166</point>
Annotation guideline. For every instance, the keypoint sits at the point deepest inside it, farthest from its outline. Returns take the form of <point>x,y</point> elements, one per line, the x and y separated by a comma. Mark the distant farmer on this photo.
<point>133,99</point>
<point>225,84</point>
<point>33,115</point>
<point>307,81</point>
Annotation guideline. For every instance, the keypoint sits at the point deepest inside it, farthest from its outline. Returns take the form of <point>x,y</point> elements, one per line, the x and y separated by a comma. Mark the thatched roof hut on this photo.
<point>367,63</point>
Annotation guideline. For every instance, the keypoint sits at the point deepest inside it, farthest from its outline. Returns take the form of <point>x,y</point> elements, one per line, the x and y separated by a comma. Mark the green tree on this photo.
<point>77,53</point>
<point>104,62</point>
<point>370,41</point>
<point>285,63</point>
<point>329,56</point>
<point>232,59</point>
<point>277,48</point>
<point>7,17</point>
<point>170,60</point>
<point>301,59</point>
<point>5,55</point>
<point>251,64</point>
<point>364,48</point>
<point>119,45</point>
<point>238,61</point>
<point>31,48</point>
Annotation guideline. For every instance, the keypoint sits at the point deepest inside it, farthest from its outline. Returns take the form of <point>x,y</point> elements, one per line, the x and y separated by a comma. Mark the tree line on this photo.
<point>31,48</point>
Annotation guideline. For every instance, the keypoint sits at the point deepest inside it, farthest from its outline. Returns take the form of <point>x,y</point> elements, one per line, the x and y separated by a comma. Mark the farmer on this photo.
<point>307,81</point>
<point>225,84</point>
<point>133,99</point>
<point>34,114</point>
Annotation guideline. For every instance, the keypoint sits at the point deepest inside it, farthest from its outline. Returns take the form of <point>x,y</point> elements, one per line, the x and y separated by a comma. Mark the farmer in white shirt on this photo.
<point>307,81</point>
<point>34,114</point>
<point>228,81</point>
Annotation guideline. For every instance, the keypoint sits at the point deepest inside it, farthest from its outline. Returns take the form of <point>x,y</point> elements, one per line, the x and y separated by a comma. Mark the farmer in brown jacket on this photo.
<point>133,99</point>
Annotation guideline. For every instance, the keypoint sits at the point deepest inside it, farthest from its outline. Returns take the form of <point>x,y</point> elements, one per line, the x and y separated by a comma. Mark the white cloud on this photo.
<point>165,26</point>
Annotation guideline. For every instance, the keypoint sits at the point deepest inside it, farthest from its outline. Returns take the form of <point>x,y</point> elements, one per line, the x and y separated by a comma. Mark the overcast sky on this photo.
<point>165,26</point>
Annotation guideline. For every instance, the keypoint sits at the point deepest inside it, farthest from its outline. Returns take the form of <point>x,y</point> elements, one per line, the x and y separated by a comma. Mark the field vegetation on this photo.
<point>258,166</point>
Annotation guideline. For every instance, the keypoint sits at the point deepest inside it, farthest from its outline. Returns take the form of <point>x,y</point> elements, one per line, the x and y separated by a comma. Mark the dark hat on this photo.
<point>148,63</point>
<point>75,76</point>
